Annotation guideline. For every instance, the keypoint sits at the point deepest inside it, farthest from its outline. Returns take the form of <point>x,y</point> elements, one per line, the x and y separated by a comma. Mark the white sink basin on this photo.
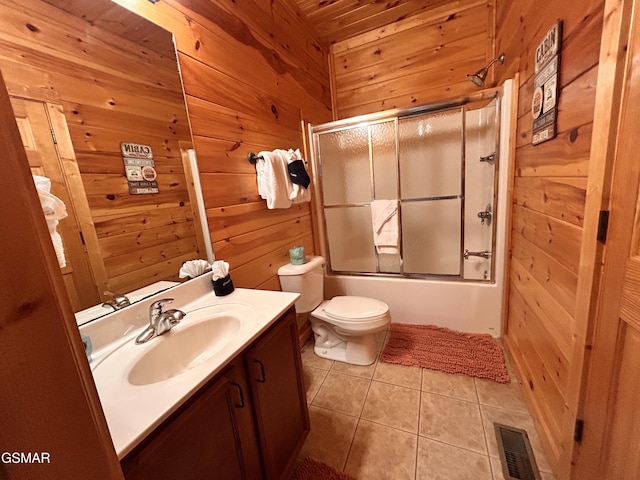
<point>201,335</point>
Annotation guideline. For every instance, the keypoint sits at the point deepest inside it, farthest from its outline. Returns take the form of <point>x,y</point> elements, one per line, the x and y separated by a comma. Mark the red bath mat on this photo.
<point>309,469</point>
<point>437,348</point>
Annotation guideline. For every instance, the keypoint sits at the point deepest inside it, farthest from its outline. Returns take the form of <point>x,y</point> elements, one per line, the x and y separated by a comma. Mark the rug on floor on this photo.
<point>309,469</point>
<point>438,348</point>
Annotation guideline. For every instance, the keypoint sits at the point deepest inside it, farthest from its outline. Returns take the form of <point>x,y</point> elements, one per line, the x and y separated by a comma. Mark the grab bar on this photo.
<point>483,254</point>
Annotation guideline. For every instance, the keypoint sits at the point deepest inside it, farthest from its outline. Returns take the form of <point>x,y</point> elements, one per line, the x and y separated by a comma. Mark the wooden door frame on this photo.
<point>75,186</point>
<point>52,405</point>
<point>611,67</point>
<point>621,149</point>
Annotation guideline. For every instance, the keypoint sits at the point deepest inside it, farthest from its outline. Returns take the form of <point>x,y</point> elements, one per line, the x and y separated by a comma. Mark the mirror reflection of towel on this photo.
<point>54,210</point>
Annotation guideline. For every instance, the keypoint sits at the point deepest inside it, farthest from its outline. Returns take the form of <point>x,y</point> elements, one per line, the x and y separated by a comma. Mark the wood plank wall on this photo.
<point>252,72</point>
<point>112,90</point>
<point>414,61</point>
<point>548,205</point>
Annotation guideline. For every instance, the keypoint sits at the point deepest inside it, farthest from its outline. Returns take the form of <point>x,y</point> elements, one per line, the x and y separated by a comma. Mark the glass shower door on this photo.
<point>438,166</point>
<point>431,158</point>
<point>359,164</point>
<point>347,192</point>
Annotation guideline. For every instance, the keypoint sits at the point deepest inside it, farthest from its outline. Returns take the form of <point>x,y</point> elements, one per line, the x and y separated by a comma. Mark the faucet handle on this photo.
<point>155,309</point>
<point>174,316</point>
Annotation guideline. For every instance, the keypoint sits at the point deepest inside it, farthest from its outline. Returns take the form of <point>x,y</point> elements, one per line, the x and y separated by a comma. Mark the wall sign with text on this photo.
<point>544,104</point>
<point>139,168</point>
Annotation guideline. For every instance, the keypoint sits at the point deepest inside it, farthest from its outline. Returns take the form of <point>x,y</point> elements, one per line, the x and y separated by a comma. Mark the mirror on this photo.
<point>97,76</point>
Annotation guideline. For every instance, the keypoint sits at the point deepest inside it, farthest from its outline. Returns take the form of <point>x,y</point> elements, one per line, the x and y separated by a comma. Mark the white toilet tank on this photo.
<point>307,280</point>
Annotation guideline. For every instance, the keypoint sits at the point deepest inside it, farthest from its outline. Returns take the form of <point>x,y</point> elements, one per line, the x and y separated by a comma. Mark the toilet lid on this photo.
<point>355,308</point>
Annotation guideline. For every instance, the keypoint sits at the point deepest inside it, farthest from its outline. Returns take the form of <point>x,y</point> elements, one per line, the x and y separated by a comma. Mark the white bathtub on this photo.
<point>467,307</point>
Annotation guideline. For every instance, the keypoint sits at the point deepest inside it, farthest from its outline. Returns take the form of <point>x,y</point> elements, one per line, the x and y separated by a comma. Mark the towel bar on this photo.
<point>253,158</point>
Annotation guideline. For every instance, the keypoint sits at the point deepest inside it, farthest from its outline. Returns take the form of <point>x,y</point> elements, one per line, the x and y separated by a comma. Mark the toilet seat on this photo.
<point>354,308</point>
<point>373,318</point>
<point>344,328</point>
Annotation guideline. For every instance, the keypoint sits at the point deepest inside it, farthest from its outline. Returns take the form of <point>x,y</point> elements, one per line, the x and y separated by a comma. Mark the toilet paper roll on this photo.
<point>296,255</point>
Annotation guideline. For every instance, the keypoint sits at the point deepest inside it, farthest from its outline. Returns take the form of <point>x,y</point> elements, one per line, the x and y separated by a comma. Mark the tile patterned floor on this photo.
<point>392,422</point>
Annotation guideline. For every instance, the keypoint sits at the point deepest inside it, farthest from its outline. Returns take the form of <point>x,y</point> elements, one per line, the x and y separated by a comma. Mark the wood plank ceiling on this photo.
<point>333,20</point>
<point>337,20</point>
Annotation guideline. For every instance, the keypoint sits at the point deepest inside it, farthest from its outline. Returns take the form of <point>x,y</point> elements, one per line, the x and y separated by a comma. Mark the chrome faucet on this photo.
<point>160,322</point>
<point>117,301</point>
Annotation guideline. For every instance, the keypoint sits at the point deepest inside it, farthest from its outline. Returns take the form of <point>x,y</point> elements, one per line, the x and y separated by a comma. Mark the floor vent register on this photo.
<point>516,455</point>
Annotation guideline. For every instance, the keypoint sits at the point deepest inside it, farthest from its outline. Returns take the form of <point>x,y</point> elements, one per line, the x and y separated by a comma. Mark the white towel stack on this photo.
<point>274,183</point>
<point>54,210</point>
<point>220,269</point>
<point>273,179</point>
<point>384,219</point>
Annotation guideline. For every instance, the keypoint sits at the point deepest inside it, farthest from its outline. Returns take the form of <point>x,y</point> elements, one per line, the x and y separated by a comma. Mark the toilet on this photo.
<point>344,326</point>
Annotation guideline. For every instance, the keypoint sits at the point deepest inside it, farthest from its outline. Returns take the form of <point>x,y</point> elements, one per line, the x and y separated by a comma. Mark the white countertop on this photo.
<point>134,411</point>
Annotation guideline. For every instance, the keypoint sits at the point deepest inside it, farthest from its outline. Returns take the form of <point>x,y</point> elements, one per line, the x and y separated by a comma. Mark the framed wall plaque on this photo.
<point>139,168</point>
<point>544,103</point>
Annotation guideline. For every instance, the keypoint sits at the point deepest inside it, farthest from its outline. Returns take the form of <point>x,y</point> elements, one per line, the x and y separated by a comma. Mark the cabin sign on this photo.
<point>544,104</point>
<point>139,168</point>
<point>136,150</point>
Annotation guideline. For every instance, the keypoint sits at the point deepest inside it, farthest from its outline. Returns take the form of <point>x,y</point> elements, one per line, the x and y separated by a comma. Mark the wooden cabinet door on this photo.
<point>275,370</point>
<point>200,442</point>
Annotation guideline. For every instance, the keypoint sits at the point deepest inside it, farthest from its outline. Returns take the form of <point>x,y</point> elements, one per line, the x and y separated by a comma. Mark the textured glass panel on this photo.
<point>350,238</point>
<point>431,237</point>
<point>430,150</point>
<point>346,170</point>
<point>480,141</point>
<point>385,163</point>
<point>389,263</point>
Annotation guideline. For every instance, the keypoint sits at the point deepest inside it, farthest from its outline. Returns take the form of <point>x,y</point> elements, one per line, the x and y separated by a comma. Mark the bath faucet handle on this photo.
<point>486,215</point>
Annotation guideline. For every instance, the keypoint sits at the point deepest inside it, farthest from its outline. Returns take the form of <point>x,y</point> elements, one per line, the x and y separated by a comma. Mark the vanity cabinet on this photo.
<point>248,422</point>
<point>279,398</point>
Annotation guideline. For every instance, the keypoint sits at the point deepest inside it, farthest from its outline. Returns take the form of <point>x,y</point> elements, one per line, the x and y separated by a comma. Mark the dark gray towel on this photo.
<point>298,173</point>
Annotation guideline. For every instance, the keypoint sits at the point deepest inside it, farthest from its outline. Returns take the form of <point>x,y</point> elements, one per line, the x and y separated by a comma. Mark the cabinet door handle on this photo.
<point>241,404</point>
<point>261,379</point>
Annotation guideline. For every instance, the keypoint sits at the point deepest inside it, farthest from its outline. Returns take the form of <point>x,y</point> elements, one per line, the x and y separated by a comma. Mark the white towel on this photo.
<point>54,210</point>
<point>273,179</point>
<point>384,219</point>
<point>297,194</point>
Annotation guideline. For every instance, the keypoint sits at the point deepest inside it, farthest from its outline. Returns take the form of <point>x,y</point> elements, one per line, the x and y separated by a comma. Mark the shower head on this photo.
<point>479,77</point>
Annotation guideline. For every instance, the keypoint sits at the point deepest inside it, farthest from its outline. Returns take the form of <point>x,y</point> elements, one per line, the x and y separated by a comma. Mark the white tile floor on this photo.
<point>393,422</point>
